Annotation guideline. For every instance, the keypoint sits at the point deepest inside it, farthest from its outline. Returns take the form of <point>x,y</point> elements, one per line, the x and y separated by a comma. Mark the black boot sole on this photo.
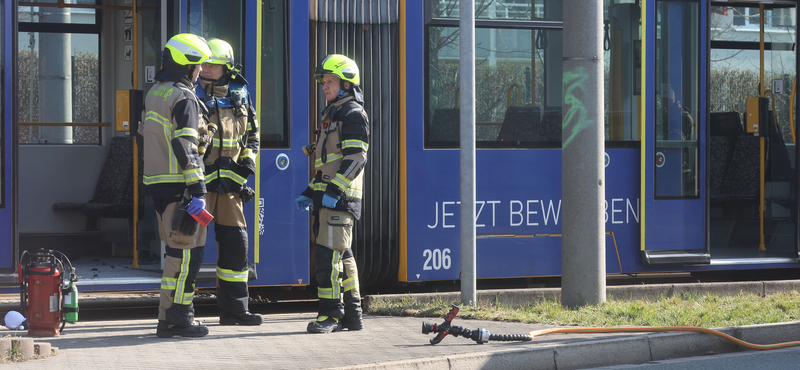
<point>230,321</point>
<point>168,333</point>
<point>353,326</point>
<point>311,328</point>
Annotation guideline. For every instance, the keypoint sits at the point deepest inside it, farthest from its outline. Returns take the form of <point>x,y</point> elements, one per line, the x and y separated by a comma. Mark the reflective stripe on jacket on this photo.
<point>236,136</point>
<point>170,122</point>
<point>340,156</point>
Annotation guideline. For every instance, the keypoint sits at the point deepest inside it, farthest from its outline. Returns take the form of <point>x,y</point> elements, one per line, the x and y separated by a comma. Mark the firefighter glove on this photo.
<point>182,221</point>
<point>303,202</point>
<point>246,194</point>
<point>196,206</point>
<point>248,164</point>
<point>329,201</point>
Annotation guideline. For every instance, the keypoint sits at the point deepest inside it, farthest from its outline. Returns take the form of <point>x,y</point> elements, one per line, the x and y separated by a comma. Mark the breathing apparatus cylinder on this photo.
<point>70,302</point>
<point>207,138</point>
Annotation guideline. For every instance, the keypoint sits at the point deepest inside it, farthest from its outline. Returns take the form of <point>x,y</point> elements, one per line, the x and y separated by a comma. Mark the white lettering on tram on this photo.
<point>627,208</point>
<point>530,212</point>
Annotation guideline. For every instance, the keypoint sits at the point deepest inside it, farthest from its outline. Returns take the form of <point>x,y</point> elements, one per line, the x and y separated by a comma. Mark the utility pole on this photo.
<point>466,10</point>
<point>583,256</point>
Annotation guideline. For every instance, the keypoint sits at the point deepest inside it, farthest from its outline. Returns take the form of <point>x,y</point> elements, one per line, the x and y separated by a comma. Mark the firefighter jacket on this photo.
<point>171,119</point>
<point>232,152</point>
<point>340,156</point>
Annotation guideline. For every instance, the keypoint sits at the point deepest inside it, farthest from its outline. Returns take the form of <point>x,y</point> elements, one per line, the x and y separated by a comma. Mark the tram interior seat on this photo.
<point>734,164</point>
<point>113,193</point>
<point>779,170</point>
<point>725,128</point>
<point>444,125</point>
<point>520,124</point>
<point>551,124</point>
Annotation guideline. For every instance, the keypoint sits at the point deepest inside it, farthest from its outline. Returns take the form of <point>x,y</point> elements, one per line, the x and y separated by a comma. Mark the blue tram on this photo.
<point>699,121</point>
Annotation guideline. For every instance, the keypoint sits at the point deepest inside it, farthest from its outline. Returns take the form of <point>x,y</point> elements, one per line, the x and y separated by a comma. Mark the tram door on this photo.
<point>268,39</point>
<point>672,159</point>
<point>7,177</point>
<point>752,131</point>
<point>72,64</point>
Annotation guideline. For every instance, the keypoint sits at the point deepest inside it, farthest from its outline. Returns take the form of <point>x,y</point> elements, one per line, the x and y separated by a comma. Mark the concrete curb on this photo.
<point>517,297</point>
<point>25,348</point>
<point>634,349</point>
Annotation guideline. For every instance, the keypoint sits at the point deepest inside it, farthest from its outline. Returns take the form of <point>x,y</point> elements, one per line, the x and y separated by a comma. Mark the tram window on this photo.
<point>502,9</point>
<point>219,19</point>
<point>2,109</point>
<point>677,97</point>
<point>214,20</point>
<point>50,14</point>
<point>622,73</point>
<point>735,59</point>
<point>273,117</point>
<point>58,76</point>
<point>517,88</point>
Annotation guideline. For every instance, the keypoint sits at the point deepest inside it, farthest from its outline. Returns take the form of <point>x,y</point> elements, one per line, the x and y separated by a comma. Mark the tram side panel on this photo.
<point>518,205</point>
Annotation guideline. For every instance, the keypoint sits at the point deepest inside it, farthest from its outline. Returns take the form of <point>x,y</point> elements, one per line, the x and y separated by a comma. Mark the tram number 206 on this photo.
<point>436,259</point>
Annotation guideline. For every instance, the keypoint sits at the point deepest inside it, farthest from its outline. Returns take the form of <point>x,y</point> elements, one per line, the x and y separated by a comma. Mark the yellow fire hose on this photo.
<point>639,329</point>
<point>482,335</point>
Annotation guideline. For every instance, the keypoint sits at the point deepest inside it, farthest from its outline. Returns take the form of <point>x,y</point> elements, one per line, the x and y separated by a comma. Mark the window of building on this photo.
<point>58,75</point>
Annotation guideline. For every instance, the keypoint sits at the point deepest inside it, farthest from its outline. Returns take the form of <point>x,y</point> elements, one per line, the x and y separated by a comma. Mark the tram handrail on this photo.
<point>519,95</point>
<point>791,109</point>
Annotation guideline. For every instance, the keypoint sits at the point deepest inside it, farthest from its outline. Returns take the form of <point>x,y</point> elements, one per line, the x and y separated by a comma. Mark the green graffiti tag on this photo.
<point>576,118</point>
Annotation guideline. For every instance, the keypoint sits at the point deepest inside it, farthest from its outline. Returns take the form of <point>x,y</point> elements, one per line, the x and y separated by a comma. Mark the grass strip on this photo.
<point>708,311</point>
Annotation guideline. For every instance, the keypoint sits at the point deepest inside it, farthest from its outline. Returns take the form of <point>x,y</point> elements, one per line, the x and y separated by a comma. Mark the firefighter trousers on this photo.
<point>184,254</point>
<point>337,280</point>
<point>231,233</point>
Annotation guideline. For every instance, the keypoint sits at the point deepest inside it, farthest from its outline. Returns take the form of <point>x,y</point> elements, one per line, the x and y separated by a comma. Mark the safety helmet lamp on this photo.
<point>340,66</point>
<point>188,49</point>
<point>221,53</point>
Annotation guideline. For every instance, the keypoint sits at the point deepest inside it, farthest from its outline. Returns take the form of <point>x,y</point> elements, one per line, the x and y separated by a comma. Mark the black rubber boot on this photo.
<point>352,315</point>
<point>244,318</point>
<point>324,324</point>
<point>196,329</point>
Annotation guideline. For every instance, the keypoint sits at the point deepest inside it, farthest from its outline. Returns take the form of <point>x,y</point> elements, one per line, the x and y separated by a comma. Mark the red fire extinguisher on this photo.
<point>41,276</point>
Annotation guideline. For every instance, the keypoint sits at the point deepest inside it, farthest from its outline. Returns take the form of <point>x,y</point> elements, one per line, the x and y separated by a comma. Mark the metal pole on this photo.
<point>466,24</point>
<point>583,254</point>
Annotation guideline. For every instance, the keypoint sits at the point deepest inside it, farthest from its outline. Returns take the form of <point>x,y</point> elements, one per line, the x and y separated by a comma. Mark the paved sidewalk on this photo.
<point>385,343</point>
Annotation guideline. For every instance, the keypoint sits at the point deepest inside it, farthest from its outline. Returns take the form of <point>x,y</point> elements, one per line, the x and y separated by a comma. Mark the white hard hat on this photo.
<point>14,320</point>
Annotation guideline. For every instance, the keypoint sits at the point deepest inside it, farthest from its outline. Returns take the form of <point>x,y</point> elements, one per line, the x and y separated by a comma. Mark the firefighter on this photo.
<point>340,154</point>
<point>230,147</point>
<point>173,176</point>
